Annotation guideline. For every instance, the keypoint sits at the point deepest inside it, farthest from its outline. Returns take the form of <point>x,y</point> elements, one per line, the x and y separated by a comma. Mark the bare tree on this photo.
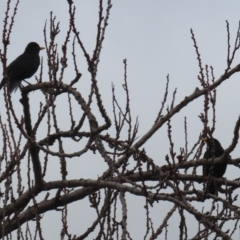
<point>31,142</point>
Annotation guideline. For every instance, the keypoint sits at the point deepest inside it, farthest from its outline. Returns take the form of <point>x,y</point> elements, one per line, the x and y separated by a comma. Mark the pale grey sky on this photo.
<point>155,38</point>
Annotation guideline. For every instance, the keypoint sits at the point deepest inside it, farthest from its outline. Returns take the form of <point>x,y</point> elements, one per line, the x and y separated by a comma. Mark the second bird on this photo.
<point>214,149</point>
<point>24,66</point>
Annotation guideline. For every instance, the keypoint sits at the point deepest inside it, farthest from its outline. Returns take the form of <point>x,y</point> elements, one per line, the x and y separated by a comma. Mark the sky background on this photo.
<point>154,37</point>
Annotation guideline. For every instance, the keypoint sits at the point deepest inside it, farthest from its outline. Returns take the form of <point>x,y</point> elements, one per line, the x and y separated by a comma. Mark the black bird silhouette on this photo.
<point>214,149</point>
<point>24,66</point>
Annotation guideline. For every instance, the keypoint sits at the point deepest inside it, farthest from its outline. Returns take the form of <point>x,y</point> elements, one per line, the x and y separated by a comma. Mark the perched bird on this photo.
<point>214,149</point>
<point>24,66</point>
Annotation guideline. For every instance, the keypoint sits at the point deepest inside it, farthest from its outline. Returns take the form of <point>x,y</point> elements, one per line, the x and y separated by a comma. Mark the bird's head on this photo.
<point>213,143</point>
<point>33,47</point>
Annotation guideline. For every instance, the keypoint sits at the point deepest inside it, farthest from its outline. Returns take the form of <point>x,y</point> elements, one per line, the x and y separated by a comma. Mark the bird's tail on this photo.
<point>213,187</point>
<point>2,83</point>
<point>12,84</point>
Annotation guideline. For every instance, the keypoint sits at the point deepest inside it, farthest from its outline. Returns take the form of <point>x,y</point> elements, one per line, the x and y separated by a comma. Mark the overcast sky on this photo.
<point>154,37</point>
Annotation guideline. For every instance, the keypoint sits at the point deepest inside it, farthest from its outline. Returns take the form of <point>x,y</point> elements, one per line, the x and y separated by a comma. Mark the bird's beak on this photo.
<point>41,48</point>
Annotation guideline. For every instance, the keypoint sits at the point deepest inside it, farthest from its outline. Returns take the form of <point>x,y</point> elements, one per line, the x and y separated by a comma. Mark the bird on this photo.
<point>214,149</point>
<point>24,66</point>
